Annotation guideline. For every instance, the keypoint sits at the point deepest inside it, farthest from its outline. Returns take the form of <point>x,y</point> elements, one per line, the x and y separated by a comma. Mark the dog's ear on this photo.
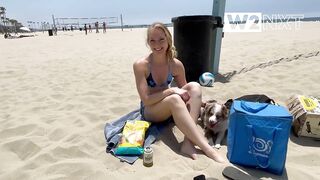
<point>207,107</point>
<point>205,110</point>
<point>211,101</point>
<point>228,103</point>
<point>204,104</point>
<point>225,111</point>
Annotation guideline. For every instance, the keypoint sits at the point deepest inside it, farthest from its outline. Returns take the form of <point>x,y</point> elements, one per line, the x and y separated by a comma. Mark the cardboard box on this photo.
<point>306,114</point>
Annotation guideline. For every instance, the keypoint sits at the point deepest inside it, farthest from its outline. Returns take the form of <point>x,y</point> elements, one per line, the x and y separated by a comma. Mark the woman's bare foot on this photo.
<point>188,148</point>
<point>211,153</point>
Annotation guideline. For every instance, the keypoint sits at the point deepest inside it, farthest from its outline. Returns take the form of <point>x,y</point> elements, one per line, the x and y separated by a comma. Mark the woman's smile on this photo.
<point>158,49</point>
<point>158,41</point>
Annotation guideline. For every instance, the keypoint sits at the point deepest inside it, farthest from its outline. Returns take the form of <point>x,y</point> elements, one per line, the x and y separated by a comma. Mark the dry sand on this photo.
<point>58,92</point>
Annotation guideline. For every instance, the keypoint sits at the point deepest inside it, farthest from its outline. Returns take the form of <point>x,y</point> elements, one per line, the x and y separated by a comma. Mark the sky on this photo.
<point>147,11</point>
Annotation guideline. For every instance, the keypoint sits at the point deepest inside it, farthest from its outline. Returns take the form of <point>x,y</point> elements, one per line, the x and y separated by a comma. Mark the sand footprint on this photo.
<point>119,110</point>
<point>67,107</point>
<point>74,170</point>
<point>69,152</point>
<point>93,93</point>
<point>57,134</point>
<point>90,116</point>
<point>58,96</point>
<point>40,161</point>
<point>23,130</point>
<point>12,73</point>
<point>20,146</point>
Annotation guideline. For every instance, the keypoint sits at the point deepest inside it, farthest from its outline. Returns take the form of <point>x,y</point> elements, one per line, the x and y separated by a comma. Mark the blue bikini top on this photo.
<point>151,82</point>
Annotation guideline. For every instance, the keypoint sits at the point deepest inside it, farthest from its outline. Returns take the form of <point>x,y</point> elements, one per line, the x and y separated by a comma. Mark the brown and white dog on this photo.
<point>214,117</point>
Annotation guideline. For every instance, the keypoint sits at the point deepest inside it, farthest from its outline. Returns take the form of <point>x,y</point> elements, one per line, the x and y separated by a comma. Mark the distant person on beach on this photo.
<point>104,27</point>
<point>85,29</point>
<point>90,30</point>
<point>55,30</point>
<point>159,101</point>
<point>97,27</point>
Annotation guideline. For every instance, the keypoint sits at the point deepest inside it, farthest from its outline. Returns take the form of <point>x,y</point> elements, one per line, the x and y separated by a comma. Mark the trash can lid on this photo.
<point>217,20</point>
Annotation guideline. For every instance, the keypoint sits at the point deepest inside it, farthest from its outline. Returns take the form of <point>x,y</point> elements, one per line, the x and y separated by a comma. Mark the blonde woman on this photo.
<point>159,101</point>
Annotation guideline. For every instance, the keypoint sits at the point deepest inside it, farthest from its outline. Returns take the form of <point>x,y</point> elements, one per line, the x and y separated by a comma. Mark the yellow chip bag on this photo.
<point>132,139</point>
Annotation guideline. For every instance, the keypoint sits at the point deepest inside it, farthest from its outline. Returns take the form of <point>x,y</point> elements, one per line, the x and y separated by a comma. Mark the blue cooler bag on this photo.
<point>258,135</point>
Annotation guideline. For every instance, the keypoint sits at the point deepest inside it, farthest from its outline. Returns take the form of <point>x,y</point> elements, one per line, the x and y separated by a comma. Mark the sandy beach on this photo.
<point>58,92</point>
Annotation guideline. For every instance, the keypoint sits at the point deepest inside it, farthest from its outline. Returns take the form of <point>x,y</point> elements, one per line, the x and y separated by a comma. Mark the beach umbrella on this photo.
<point>25,29</point>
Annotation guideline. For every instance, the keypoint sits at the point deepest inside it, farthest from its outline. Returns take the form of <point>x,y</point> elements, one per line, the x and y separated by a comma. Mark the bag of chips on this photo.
<point>132,139</point>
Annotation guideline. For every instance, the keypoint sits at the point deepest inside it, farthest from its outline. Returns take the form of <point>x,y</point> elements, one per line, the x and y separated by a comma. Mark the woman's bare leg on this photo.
<point>174,105</point>
<point>194,105</point>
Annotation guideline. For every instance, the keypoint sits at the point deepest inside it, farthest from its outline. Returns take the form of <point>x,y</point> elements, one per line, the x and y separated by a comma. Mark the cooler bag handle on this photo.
<point>261,147</point>
<point>253,107</point>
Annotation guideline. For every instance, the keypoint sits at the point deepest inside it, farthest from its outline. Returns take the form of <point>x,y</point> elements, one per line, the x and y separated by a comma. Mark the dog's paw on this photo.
<point>217,146</point>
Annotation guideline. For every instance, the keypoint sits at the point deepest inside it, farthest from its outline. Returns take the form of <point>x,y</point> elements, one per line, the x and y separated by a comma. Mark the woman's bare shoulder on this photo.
<point>177,64</point>
<point>178,72</point>
<point>142,60</point>
<point>141,63</point>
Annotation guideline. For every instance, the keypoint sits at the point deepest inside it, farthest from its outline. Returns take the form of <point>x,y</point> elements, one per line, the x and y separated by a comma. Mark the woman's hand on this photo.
<point>182,93</point>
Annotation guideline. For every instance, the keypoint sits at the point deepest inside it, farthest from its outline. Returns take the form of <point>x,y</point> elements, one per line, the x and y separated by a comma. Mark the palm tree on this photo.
<point>6,21</point>
<point>2,10</point>
<point>2,19</point>
<point>2,13</point>
<point>13,23</point>
<point>19,25</point>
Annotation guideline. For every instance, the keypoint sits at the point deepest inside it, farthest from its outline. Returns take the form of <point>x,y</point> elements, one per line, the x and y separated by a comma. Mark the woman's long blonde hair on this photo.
<point>171,51</point>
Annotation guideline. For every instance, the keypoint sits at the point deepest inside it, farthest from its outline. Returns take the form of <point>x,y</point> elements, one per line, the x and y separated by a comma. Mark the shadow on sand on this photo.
<point>225,78</point>
<point>247,173</point>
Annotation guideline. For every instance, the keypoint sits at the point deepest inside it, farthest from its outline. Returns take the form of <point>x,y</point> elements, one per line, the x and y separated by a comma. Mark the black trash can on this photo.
<point>50,32</point>
<point>193,39</point>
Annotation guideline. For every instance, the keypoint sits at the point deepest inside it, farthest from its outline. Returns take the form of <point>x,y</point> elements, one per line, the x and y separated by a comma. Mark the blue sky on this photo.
<point>147,11</point>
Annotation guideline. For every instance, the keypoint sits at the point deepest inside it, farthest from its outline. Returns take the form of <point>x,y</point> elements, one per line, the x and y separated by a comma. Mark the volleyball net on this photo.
<point>80,22</point>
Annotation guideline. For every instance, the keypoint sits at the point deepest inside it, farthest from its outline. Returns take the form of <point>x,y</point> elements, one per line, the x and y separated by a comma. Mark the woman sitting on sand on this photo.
<point>159,101</point>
